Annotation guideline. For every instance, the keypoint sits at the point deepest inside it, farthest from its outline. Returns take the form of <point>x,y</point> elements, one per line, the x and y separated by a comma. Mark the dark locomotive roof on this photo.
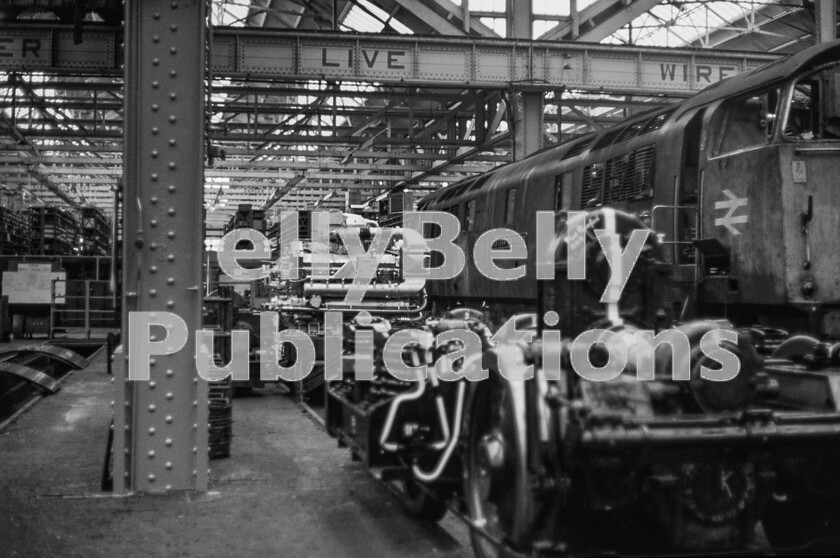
<point>636,126</point>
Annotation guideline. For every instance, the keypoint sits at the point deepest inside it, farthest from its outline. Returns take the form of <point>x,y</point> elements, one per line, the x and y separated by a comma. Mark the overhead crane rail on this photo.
<point>239,53</point>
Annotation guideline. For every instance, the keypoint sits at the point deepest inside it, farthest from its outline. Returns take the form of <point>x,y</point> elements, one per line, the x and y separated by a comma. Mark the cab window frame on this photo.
<point>797,132</point>
<point>766,121</point>
<point>510,206</point>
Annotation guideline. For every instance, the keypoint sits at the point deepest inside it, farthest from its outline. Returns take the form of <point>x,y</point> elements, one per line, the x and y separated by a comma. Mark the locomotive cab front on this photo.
<point>769,161</point>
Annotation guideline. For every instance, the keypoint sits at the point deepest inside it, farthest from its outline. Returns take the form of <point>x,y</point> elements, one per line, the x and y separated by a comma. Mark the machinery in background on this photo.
<point>302,303</point>
<point>218,316</point>
<point>52,231</point>
<point>242,299</point>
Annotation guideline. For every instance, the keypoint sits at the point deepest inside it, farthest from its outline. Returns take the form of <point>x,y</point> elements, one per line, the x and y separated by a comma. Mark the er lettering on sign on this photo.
<point>21,48</point>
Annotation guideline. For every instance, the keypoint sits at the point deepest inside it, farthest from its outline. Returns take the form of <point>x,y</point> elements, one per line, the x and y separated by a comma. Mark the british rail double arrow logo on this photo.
<point>731,205</point>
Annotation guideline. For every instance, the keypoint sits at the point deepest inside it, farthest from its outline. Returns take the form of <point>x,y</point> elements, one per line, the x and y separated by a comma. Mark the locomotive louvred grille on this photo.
<point>630,132</point>
<point>397,203</point>
<point>655,123</point>
<point>628,176</point>
<point>391,209</point>
<point>593,179</point>
<point>576,149</point>
<point>619,179</point>
<point>454,192</point>
<point>614,180</point>
<point>607,139</point>
<point>619,135</point>
<point>480,181</point>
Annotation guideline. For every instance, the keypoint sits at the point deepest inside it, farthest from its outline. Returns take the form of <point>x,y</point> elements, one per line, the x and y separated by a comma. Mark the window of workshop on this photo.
<point>510,206</point>
<point>469,215</point>
<point>559,180</point>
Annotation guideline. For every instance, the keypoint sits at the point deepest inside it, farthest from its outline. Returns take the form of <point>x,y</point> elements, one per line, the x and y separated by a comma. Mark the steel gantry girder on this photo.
<point>476,62</point>
<point>393,59</point>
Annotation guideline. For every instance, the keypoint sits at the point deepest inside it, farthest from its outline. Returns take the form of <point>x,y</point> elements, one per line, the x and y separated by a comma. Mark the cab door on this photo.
<point>740,197</point>
<point>687,192</point>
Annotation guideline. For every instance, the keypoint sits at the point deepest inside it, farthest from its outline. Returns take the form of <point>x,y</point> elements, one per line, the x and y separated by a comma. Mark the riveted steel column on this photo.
<point>161,424</point>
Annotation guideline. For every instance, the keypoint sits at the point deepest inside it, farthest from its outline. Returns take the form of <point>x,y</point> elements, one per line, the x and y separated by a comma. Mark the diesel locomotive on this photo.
<point>743,172</point>
<point>736,188</point>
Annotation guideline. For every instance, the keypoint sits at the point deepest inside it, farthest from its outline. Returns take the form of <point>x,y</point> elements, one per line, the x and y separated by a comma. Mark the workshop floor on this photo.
<point>287,490</point>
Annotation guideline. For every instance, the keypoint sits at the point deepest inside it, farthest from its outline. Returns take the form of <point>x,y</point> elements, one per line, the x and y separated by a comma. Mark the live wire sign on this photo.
<point>425,61</point>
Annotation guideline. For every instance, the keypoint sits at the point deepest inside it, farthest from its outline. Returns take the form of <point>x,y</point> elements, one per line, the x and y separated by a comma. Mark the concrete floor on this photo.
<point>287,490</point>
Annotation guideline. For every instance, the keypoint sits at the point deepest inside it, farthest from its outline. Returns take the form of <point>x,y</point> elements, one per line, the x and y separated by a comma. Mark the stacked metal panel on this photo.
<point>54,231</point>
<point>218,317</point>
<point>391,209</point>
<point>247,217</point>
<point>15,236</point>
<point>96,232</point>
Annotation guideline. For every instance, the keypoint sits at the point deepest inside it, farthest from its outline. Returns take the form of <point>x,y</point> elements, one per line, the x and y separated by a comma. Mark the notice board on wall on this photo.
<point>32,284</point>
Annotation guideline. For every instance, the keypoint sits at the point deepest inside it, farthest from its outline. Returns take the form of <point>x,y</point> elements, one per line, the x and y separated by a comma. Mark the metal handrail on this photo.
<point>674,208</point>
<point>90,312</point>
